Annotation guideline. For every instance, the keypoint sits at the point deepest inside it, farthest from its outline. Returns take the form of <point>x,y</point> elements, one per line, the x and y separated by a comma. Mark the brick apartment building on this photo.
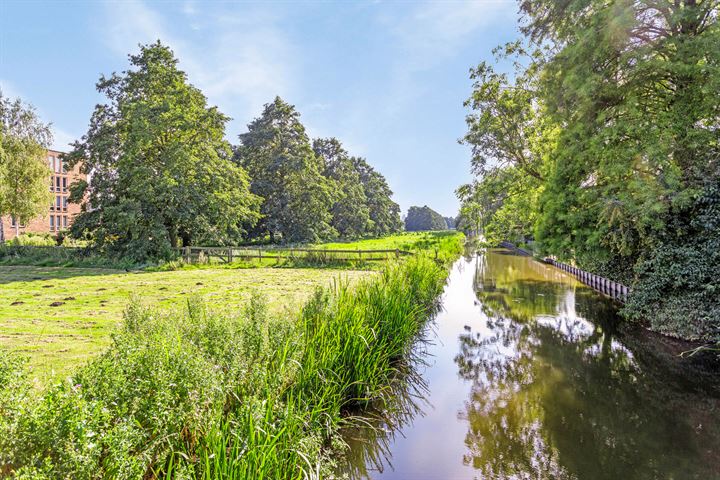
<point>60,214</point>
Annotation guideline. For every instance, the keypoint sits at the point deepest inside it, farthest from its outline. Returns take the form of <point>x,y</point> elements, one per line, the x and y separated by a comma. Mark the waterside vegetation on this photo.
<point>602,147</point>
<point>202,394</point>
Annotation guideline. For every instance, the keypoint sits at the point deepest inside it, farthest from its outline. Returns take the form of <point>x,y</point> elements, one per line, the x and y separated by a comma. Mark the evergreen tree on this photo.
<point>287,174</point>
<point>162,172</point>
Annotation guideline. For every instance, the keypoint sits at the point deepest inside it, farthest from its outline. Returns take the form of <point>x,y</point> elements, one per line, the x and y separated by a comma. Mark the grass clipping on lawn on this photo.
<point>203,395</point>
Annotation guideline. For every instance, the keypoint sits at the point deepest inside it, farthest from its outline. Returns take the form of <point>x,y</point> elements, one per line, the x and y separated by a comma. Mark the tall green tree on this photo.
<point>24,171</point>
<point>423,219</point>
<point>162,172</point>
<point>636,87</point>
<point>287,174</point>
<point>384,212</point>
<point>606,143</point>
<point>350,211</point>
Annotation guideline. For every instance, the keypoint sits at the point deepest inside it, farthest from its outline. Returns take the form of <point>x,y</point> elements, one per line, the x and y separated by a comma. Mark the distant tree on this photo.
<point>24,171</point>
<point>350,210</point>
<point>384,212</point>
<point>424,218</point>
<point>162,172</point>
<point>285,171</point>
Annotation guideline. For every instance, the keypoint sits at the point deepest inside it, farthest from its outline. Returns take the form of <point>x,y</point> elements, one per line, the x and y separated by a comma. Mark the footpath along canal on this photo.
<point>524,374</point>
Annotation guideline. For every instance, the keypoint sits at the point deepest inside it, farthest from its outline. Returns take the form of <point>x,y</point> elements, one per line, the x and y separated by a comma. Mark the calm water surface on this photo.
<point>525,376</point>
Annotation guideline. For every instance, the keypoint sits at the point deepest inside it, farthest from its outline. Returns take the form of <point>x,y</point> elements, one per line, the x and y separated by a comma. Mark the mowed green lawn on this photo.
<point>411,241</point>
<point>61,317</point>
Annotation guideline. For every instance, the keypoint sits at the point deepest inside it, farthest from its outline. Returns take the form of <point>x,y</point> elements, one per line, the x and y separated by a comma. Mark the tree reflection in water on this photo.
<point>556,395</point>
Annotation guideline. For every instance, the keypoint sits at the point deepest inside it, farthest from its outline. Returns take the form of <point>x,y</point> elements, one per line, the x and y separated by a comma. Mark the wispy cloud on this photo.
<point>434,30</point>
<point>61,138</point>
<point>240,61</point>
<point>8,89</point>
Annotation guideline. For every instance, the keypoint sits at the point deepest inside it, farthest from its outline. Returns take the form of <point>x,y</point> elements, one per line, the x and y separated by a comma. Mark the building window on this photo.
<point>58,202</point>
<point>65,203</point>
<point>57,183</point>
<point>13,222</point>
<point>52,184</point>
<point>51,162</point>
<point>52,223</point>
<point>64,184</point>
<point>64,221</point>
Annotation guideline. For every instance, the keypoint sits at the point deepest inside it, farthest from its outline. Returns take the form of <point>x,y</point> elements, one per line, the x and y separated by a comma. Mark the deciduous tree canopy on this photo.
<point>288,175</point>
<point>162,171</point>
<point>24,170</point>
<point>603,141</point>
<point>424,218</point>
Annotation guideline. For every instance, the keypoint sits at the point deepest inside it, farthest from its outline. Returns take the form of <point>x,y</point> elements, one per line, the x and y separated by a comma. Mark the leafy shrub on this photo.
<point>34,240</point>
<point>678,288</point>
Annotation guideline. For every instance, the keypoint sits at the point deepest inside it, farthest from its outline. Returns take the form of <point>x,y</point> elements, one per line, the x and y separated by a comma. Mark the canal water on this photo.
<point>524,375</point>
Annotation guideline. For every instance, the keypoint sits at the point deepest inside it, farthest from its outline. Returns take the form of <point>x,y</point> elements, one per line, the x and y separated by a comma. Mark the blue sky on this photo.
<point>387,78</point>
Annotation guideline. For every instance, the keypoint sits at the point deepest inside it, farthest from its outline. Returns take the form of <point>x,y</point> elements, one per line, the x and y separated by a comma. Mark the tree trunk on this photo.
<point>17,228</point>
<point>172,233</point>
<point>2,231</point>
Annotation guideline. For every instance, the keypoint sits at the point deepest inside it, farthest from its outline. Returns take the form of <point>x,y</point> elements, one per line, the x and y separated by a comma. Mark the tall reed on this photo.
<point>197,394</point>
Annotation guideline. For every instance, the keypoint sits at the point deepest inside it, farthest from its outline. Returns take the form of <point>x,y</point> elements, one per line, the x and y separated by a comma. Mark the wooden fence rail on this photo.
<point>612,289</point>
<point>230,254</point>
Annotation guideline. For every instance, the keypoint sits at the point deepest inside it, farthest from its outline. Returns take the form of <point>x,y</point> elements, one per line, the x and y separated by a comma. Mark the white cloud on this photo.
<point>61,138</point>
<point>434,30</point>
<point>8,89</point>
<point>239,60</point>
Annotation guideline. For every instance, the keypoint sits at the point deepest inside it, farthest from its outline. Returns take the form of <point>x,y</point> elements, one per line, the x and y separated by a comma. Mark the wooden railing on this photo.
<point>231,254</point>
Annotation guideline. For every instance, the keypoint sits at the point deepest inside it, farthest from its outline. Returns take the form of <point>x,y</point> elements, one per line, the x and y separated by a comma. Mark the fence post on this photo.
<point>230,255</point>
<point>186,254</point>
<point>397,253</point>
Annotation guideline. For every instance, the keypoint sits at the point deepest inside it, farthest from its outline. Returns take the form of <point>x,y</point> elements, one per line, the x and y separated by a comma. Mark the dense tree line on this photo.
<point>603,146</point>
<point>424,218</point>
<point>164,176</point>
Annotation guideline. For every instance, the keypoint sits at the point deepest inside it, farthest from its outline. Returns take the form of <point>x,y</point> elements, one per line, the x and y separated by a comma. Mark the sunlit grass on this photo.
<point>89,303</point>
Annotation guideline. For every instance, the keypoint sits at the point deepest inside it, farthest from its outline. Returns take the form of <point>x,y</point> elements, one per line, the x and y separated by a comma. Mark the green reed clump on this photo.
<point>197,394</point>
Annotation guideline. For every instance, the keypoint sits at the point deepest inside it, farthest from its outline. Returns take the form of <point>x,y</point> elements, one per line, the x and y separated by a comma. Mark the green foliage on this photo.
<point>162,173</point>
<point>602,141</point>
<point>350,212</point>
<point>24,170</point>
<point>363,204</point>
<point>423,219</point>
<point>197,394</point>
<point>287,174</point>
<point>33,240</point>
<point>678,288</point>
<point>384,213</point>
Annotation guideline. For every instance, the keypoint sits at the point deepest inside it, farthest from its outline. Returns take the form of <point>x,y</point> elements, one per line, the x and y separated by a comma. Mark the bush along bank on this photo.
<point>205,395</point>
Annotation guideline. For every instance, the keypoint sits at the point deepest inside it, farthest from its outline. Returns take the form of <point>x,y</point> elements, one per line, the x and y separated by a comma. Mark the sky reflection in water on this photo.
<point>526,377</point>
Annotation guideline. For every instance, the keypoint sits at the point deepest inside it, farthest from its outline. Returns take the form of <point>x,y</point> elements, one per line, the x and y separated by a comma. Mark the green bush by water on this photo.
<point>198,394</point>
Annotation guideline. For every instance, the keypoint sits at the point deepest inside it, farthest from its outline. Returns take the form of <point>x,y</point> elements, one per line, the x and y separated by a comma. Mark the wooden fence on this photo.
<point>612,289</point>
<point>231,254</point>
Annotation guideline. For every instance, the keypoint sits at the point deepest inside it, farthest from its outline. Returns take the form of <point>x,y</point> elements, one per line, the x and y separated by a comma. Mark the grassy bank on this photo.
<point>61,317</point>
<point>209,395</point>
<point>75,257</point>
